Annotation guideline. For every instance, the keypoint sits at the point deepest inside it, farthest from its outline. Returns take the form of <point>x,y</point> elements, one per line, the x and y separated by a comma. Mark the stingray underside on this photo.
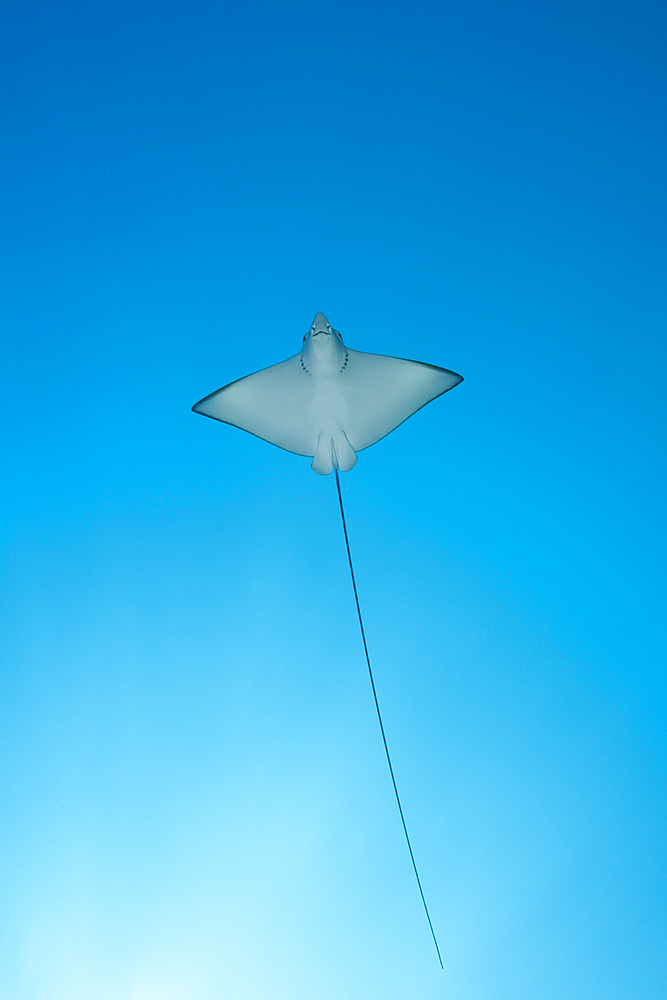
<point>329,416</point>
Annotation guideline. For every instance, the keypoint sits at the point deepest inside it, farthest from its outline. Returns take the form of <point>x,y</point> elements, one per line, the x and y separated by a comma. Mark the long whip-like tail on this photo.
<point>379,715</point>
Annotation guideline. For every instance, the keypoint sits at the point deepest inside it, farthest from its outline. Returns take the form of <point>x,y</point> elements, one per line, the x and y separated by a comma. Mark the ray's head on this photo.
<point>321,328</point>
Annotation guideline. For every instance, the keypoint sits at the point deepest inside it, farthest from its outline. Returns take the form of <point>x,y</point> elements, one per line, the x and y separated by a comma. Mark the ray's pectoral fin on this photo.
<point>333,448</point>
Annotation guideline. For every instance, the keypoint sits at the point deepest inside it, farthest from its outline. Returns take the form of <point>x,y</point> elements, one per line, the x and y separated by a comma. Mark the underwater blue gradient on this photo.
<point>195,801</point>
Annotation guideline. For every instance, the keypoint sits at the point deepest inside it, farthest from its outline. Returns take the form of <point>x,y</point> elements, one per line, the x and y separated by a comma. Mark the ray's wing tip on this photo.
<point>199,407</point>
<point>455,377</point>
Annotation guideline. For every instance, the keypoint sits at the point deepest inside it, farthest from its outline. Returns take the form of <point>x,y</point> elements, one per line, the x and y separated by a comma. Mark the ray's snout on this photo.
<point>320,325</point>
